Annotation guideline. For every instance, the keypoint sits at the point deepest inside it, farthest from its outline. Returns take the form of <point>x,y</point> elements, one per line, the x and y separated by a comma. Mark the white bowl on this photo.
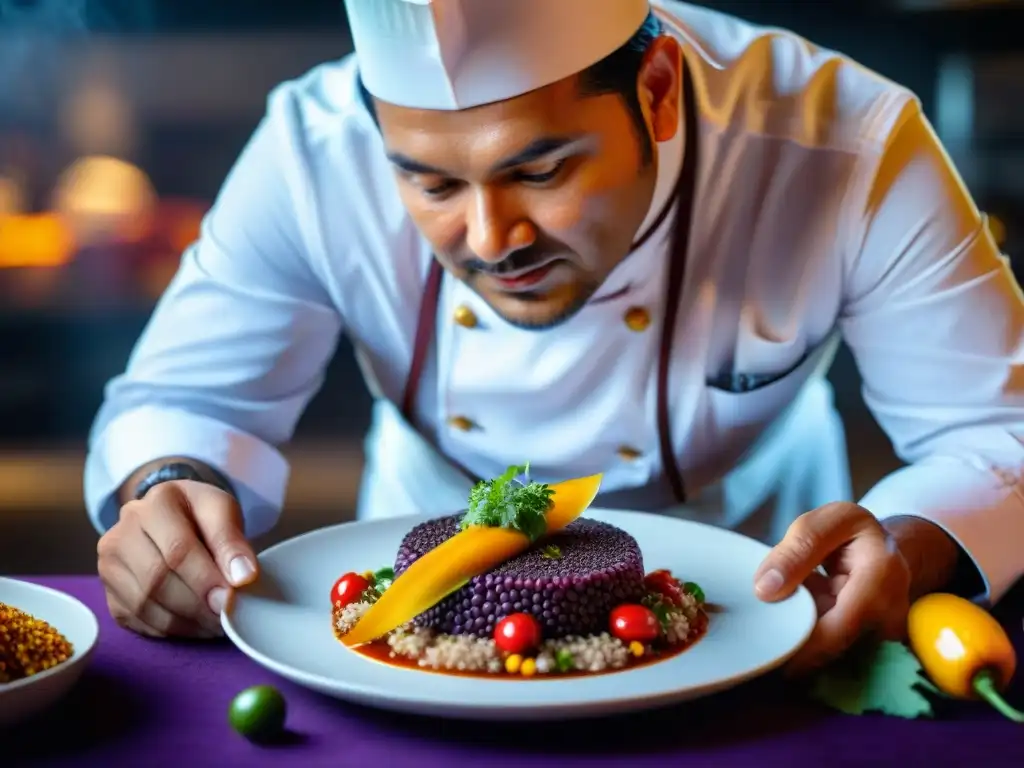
<point>23,698</point>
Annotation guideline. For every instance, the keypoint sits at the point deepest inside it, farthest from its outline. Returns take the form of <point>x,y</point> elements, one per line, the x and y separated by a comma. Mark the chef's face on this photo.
<point>535,200</point>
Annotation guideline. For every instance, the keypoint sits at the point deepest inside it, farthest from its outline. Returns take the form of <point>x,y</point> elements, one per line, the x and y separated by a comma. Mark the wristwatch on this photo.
<point>179,470</point>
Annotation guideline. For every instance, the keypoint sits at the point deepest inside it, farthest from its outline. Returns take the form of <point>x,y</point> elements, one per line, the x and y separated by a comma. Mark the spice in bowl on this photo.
<point>28,645</point>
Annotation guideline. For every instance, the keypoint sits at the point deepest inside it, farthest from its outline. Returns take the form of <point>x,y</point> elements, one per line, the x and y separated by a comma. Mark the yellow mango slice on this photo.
<point>469,553</point>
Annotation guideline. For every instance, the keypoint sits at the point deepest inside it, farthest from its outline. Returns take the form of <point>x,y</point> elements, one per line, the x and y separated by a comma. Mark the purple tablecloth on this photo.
<point>148,703</point>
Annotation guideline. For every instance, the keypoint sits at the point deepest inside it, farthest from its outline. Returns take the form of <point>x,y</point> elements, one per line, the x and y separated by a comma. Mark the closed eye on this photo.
<point>445,187</point>
<point>541,178</point>
<point>440,189</point>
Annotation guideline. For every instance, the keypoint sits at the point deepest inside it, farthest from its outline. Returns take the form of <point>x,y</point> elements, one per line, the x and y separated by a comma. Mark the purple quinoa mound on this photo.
<point>600,567</point>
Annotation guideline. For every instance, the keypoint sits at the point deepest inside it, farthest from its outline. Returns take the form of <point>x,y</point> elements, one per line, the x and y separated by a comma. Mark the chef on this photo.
<point>600,236</point>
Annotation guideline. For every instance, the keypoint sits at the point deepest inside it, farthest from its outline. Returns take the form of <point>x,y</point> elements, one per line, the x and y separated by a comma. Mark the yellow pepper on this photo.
<point>963,649</point>
<point>449,566</point>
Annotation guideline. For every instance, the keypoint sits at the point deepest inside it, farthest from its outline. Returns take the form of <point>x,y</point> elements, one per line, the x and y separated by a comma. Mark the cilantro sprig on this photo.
<point>510,500</point>
<point>380,580</point>
<point>661,610</point>
<point>876,677</point>
<point>564,660</point>
<point>551,552</point>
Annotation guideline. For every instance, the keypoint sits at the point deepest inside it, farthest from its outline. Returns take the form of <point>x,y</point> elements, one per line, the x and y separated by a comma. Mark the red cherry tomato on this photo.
<point>517,633</point>
<point>349,589</point>
<point>631,622</point>
<point>665,584</point>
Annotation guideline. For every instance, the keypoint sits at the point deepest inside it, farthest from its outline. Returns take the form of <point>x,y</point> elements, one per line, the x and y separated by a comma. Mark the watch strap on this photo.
<point>180,470</point>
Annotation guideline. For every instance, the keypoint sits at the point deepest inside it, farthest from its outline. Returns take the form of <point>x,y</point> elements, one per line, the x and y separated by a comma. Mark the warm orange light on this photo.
<point>183,221</point>
<point>105,199</point>
<point>39,240</point>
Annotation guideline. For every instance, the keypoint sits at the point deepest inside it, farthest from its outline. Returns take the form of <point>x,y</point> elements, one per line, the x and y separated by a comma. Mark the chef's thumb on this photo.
<point>809,542</point>
<point>789,563</point>
<point>238,562</point>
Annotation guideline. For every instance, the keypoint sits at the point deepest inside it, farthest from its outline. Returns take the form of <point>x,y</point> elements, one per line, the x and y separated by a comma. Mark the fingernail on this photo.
<point>217,599</point>
<point>769,584</point>
<point>240,569</point>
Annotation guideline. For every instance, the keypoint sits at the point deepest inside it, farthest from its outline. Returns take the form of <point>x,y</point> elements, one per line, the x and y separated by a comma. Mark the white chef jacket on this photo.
<point>825,208</point>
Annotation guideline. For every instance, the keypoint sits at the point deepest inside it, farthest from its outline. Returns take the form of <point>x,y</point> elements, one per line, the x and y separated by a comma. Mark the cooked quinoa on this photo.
<point>467,653</point>
<point>28,645</point>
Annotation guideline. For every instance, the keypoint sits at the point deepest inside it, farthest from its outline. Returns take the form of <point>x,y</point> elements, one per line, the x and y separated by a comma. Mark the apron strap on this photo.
<point>424,334</point>
<point>687,188</point>
<point>421,346</point>
<point>685,194</point>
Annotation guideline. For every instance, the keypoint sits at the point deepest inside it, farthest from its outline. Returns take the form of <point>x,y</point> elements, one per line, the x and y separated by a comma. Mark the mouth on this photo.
<point>525,279</point>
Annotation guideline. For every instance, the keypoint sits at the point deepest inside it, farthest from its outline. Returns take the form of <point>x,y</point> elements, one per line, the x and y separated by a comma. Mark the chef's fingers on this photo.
<point>219,520</point>
<point>808,543</point>
<point>118,581</point>
<point>166,518</point>
<point>860,608</point>
<point>820,587</point>
<point>142,611</point>
<point>124,617</point>
<point>147,584</point>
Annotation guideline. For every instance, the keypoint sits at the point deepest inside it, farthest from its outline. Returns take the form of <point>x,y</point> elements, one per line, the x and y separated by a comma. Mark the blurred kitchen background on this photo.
<point>120,118</point>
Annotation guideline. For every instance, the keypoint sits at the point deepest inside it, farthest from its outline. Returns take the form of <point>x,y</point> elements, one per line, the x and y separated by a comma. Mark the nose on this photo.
<point>494,229</point>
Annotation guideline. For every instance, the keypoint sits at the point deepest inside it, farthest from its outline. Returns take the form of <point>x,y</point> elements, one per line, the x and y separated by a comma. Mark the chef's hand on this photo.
<point>170,561</point>
<point>866,589</point>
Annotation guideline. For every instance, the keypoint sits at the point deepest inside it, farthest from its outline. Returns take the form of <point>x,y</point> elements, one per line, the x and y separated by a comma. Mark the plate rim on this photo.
<point>411,701</point>
<point>79,655</point>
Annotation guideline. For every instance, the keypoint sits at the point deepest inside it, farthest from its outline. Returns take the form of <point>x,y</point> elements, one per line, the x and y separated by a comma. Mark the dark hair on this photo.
<point>615,73</point>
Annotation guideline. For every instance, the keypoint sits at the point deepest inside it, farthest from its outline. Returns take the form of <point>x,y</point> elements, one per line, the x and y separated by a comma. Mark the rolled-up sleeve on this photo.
<point>935,321</point>
<point>238,344</point>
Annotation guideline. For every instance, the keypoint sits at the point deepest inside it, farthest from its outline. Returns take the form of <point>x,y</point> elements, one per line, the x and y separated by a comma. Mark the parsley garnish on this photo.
<point>508,502</point>
<point>884,677</point>
<point>551,552</point>
<point>659,608</point>
<point>694,589</point>
<point>564,660</point>
<point>382,579</point>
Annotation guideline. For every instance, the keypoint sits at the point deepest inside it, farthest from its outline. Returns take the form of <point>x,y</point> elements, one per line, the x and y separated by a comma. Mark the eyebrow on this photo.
<point>534,151</point>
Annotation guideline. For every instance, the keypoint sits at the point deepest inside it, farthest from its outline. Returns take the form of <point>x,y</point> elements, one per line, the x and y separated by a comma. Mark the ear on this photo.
<point>659,83</point>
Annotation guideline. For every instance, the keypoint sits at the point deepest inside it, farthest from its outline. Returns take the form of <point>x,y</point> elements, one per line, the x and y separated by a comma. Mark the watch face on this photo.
<point>175,471</point>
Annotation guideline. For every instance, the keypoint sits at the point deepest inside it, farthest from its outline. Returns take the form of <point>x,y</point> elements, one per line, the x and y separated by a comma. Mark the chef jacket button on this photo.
<point>464,316</point>
<point>461,423</point>
<point>628,454</point>
<point>637,319</point>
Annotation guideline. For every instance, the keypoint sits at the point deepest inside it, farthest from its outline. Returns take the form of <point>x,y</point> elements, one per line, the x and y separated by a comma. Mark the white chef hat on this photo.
<point>457,54</point>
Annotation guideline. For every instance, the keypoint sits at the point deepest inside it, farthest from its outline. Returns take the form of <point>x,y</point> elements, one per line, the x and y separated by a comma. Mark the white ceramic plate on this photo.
<point>24,698</point>
<point>283,622</point>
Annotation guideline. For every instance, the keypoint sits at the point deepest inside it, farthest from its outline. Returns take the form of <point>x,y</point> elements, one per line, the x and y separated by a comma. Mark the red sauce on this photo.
<point>379,651</point>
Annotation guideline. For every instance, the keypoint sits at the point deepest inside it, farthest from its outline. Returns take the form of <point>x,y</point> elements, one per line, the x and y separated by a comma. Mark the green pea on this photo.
<point>258,713</point>
<point>694,589</point>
